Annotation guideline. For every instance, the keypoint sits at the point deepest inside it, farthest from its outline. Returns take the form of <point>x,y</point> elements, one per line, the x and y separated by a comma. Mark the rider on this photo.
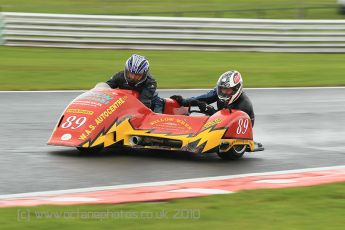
<point>228,94</point>
<point>136,77</point>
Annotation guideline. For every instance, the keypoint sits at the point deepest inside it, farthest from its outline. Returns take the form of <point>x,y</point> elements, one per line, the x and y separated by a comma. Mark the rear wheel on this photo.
<point>91,150</point>
<point>236,152</point>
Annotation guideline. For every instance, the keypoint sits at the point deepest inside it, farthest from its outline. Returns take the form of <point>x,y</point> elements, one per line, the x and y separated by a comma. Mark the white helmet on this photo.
<point>229,86</point>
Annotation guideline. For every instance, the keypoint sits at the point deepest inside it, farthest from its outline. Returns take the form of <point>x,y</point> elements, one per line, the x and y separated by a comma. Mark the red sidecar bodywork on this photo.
<point>107,117</point>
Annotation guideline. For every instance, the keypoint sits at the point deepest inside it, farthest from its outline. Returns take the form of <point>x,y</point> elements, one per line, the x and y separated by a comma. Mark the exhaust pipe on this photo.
<point>153,141</point>
<point>135,140</point>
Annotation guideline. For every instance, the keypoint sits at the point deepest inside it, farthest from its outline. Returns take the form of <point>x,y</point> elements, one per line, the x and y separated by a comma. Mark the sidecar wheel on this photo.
<point>234,153</point>
<point>91,150</point>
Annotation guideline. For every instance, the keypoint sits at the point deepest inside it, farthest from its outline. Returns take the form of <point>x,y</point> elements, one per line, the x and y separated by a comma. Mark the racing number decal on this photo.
<point>69,122</point>
<point>242,126</point>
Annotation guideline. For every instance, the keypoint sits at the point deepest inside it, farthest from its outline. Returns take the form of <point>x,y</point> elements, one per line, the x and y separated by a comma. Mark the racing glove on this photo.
<point>178,98</point>
<point>206,108</point>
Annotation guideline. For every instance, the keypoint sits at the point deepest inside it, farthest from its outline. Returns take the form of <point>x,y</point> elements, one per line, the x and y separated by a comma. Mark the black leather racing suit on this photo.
<point>146,89</point>
<point>242,103</point>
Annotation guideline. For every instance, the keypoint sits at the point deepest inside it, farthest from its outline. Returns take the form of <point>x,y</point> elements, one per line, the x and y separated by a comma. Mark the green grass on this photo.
<point>314,208</point>
<point>188,8</point>
<point>49,68</point>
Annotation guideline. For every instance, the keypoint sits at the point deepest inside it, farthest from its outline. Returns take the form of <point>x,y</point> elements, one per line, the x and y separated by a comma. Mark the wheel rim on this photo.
<point>239,149</point>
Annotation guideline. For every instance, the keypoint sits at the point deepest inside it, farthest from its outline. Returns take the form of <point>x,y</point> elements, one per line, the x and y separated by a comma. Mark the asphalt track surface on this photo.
<point>300,128</point>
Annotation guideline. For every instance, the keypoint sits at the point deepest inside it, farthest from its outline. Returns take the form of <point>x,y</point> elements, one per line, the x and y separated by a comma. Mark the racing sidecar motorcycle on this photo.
<point>102,118</point>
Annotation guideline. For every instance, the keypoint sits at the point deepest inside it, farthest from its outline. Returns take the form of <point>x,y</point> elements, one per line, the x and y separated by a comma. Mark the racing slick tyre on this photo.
<point>91,150</point>
<point>234,153</point>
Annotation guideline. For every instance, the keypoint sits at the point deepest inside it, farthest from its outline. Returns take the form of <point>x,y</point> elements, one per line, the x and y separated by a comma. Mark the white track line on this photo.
<point>168,90</point>
<point>162,183</point>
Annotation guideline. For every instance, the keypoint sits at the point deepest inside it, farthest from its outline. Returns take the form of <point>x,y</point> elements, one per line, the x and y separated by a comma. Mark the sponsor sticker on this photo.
<point>166,122</point>
<point>212,123</point>
<point>98,97</point>
<point>101,118</point>
<point>81,111</point>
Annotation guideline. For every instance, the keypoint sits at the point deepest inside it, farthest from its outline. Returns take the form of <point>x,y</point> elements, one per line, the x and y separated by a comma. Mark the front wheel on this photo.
<point>91,150</point>
<point>236,152</point>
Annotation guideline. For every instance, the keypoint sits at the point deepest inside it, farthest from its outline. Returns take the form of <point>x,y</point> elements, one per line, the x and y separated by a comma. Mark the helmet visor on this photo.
<point>134,77</point>
<point>225,93</point>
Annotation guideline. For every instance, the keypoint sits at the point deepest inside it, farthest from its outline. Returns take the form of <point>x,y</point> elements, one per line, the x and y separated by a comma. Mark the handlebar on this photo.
<point>195,111</point>
<point>198,111</point>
